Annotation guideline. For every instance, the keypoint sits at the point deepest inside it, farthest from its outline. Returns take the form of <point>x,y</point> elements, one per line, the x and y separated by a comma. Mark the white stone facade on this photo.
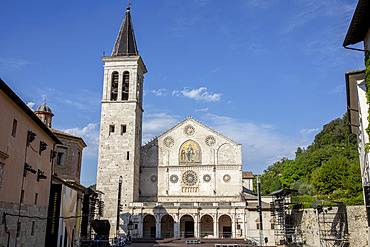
<point>120,135</point>
<point>217,172</point>
<point>185,183</point>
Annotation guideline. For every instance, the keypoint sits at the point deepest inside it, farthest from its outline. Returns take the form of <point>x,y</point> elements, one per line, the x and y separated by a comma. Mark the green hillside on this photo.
<point>327,169</point>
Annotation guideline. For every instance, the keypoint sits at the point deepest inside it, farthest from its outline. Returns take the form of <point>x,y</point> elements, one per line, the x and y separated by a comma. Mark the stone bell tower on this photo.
<point>121,126</point>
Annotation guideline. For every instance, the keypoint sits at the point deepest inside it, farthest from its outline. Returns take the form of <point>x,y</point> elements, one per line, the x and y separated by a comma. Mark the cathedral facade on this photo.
<point>188,182</point>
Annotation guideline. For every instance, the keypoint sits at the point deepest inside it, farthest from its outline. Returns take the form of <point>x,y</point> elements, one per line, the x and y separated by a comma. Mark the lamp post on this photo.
<point>130,227</point>
<point>259,209</point>
<point>118,204</point>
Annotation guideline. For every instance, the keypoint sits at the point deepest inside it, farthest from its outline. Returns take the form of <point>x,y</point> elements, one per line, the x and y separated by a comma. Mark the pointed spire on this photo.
<point>125,44</point>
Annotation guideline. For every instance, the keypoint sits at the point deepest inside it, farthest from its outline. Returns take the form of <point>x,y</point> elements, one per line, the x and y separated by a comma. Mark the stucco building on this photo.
<point>188,182</point>
<point>26,145</point>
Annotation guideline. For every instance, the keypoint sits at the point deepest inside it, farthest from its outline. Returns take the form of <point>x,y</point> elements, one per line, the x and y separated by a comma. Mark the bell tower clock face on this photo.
<point>190,178</point>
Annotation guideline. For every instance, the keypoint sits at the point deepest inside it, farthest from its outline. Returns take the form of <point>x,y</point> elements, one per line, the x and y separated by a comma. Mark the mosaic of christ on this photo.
<point>190,152</point>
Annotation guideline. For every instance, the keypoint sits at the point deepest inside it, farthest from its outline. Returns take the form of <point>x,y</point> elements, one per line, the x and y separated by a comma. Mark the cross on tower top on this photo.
<point>128,4</point>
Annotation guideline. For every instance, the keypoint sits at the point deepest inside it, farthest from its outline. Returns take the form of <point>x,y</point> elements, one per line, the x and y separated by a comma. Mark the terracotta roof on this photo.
<point>58,132</point>
<point>247,175</point>
<point>360,24</point>
<point>125,44</point>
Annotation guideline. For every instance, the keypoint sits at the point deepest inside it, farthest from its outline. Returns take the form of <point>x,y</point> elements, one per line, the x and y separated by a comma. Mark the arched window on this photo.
<point>125,85</point>
<point>114,88</point>
<point>190,153</point>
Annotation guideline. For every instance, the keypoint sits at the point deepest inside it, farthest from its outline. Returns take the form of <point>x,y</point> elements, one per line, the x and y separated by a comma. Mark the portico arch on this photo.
<point>206,226</point>
<point>167,224</point>
<point>225,226</point>
<point>149,229</point>
<point>187,226</point>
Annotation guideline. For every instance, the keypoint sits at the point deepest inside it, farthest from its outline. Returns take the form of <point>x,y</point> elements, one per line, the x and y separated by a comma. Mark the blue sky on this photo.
<point>267,74</point>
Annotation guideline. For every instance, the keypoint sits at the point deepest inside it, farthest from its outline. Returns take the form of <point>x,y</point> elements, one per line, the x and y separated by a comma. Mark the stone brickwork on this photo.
<point>70,166</point>
<point>120,136</point>
<point>357,226</point>
<point>26,236</point>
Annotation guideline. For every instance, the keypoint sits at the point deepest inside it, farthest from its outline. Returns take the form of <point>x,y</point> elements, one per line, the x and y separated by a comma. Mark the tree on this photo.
<point>331,175</point>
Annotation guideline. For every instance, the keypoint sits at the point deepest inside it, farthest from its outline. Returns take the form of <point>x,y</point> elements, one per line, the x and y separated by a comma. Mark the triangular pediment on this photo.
<point>194,123</point>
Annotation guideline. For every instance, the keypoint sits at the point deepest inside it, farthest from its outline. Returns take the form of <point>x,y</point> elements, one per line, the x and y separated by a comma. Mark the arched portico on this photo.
<point>149,226</point>
<point>187,226</point>
<point>206,226</point>
<point>167,226</point>
<point>225,226</point>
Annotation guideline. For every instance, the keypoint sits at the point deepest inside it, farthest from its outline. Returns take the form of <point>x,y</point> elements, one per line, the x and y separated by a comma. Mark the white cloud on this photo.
<point>31,105</point>
<point>175,93</point>
<point>309,131</point>
<point>313,9</point>
<point>201,110</point>
<point>158,92</point>
<point>338,89</point>
<point>13,63</point>
<point>155,124</point>
<point>200,94</point>
<point>90,134</point>
<point>215,70</point>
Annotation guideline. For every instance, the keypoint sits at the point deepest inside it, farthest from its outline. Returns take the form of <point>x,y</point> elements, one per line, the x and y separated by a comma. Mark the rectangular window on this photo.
<point>33,228</point>
<point>1,173</point>
<point>272,226</point>
<point>18,229</point>
<point>111,129</point>
<point>22,196</point>
<point>36,197</point>
<point>14,129</point>
<point>79,164</point>
<point>128,155</point>
<point>123,129</point>
<point>60,159</point>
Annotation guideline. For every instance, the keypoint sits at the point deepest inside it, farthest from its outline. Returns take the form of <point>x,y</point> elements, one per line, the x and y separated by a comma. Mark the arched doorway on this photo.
<point>167,226</point>
<point>187,226</point>
<point>206,226</point>
<point>149,226</point>
<point>225,229</point>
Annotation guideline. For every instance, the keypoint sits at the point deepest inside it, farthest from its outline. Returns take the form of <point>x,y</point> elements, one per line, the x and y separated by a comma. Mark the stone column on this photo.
<point>176,227</point>
<point>120,82</point>
<point>140,226</point>
<point>215,235</point>
<point>233,227</point>
<point>158,226</point>
<point>196,226</point>
<point>107,85</point>
<point>244,228</point>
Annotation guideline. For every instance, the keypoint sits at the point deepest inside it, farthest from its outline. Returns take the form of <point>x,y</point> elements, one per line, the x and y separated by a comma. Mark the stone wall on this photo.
<point>70,168</point>
<point>28,235</point>
<point>357,226</point>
